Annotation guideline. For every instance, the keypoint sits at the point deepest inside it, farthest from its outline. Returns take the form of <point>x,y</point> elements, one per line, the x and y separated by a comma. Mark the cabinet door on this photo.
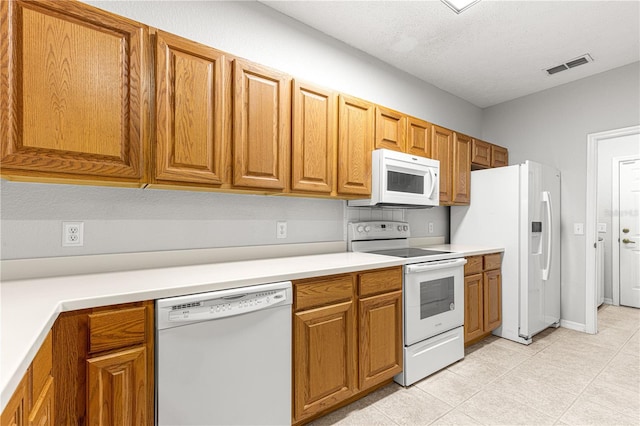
<point>380,338</point>
<point>355,142</point>
<point>261,126</point>
<point>117,388</point>
<point>461,169</point>
<point>324,367</point>
<point>480,153</point>
<point>14,413</point>
<point>418,137</point>
<point>473,307</point>
<point>492,299</point>
<point>442,150</point>
<point>314,138</point>
<point>77,104</point>
<point>499,156</point>
<point>390,129</point>
<point>190,107</point>
<point>42,413</point>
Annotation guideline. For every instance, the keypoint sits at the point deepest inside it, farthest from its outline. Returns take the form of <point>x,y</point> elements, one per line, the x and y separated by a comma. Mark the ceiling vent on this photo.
<point>581,60</point>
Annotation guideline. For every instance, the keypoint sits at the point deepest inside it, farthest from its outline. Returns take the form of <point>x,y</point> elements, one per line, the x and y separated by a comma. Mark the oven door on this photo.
<point>433,298</point>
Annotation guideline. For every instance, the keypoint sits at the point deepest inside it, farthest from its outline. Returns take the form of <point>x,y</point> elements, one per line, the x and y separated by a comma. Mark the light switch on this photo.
<point>578,228</point>
<point>602,227</point>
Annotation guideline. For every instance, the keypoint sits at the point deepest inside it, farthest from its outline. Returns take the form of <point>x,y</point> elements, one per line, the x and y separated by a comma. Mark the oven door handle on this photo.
<point>436,264</point>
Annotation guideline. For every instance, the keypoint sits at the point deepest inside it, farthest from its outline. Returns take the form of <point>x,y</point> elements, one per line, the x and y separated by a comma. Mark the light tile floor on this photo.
<point>564,378</point>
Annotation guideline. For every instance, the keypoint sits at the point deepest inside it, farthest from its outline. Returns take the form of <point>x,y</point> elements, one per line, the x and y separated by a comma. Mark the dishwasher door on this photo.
<point>224,357</point>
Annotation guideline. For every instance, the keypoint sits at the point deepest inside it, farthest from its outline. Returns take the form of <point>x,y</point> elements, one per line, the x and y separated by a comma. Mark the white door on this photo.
<point>629,233</point>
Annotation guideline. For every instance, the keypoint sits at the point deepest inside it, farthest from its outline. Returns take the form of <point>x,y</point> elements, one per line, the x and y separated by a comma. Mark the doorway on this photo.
<point>595,143</point>
<point>626,224</point>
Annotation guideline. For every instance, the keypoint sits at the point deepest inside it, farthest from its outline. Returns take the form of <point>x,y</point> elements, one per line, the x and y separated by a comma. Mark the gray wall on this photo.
<point>551,127</point>
<point>119,220</point>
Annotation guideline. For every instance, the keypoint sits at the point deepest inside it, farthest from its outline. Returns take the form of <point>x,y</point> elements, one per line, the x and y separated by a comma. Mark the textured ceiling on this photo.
<point>493,52</point>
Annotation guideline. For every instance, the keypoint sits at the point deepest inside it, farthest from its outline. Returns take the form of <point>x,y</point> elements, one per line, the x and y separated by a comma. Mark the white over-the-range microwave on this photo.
<point>402,180</point>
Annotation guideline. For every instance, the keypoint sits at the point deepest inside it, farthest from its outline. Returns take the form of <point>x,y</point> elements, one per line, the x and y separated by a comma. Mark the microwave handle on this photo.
<point>433,182</point>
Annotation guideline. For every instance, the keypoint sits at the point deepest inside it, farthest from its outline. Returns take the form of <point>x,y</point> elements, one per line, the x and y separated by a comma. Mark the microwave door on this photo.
<point>404,185</point>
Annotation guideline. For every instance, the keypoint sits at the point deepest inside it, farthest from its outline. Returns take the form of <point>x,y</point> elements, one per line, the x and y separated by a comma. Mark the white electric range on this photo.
<point>433,296</point>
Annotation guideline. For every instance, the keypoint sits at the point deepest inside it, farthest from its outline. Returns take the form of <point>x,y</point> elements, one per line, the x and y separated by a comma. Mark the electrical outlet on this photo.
<point>281,229</point>
<point>431,227</point>
<point>72,234</point>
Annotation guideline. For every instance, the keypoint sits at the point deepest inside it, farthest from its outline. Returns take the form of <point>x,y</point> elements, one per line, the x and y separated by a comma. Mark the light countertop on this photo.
<point>29,308</point>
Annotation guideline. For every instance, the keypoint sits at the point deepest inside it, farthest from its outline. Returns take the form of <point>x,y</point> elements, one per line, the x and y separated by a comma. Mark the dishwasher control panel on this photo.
<point>226,306</point>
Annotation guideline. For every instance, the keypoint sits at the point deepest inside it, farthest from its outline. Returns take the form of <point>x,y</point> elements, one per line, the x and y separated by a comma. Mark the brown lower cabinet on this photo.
<point>482,296</point>
<point>347,338</point>
<point>103,365</point>
<point>347,341</point>
<point>32,402</point>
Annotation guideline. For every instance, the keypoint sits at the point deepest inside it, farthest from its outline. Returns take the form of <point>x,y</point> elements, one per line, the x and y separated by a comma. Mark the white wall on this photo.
<point>607,150</point>
<point>121,220</point>
<point>551,127</point>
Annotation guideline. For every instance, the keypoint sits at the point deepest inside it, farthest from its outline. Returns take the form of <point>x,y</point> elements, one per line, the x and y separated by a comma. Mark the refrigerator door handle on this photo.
<point>546,198</point>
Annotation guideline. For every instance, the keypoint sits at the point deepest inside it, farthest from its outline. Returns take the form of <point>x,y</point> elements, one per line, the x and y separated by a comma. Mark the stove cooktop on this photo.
<point>409,252</point>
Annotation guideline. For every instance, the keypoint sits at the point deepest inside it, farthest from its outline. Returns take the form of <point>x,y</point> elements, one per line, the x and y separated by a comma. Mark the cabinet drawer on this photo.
<point>381,281</point>
<point>323,291</point>
<point>473,266</point>
<point>116,329</point>
<point>492,261</point>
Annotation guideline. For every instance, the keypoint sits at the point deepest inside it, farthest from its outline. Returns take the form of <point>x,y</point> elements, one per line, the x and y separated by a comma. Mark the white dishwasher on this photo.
<point>224,357</point>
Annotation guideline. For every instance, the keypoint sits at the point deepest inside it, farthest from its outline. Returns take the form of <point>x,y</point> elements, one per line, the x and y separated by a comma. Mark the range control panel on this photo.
<point>377,230</point>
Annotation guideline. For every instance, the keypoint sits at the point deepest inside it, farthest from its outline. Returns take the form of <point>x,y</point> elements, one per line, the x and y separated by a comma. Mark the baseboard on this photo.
<point>608,301</point>
<point>573,325</point>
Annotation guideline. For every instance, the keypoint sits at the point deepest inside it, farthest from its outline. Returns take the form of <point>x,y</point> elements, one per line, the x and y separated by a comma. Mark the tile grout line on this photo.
<point>595,377</point>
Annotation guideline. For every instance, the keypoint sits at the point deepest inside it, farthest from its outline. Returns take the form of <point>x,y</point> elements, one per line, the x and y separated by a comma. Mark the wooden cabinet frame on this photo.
<point>94,129</point>
<point>314,139</point>
<point>95,348</point>
<point>262,126</point>
<point>347,338</point>
<point>192,107</point>
<point>356,129</point>
<point>483,296</point>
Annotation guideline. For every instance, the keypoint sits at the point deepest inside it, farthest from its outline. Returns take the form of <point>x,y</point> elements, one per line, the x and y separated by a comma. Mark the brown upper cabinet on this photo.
<point>391,129</point>
<point>485,155</point>
<point>314,139</point>
<point>418,137</point>
<point>261,126</point>
<point>499,156</point>
<point>78,83</point>
<point>461,169</point>
<point>400,132</point>
<point>442,150</point>
<point>480,153</point>
<point>453,150</point>
<point>75,93</point>
<point>356,119</point>
<point>191,108</point>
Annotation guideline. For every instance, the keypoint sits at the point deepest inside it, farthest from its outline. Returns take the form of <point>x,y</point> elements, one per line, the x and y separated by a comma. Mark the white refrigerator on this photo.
<point>518,208</point>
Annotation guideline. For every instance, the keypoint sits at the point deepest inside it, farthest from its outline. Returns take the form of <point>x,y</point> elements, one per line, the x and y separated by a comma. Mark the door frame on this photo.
<point>591,231</point>
<point>615,224</point>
